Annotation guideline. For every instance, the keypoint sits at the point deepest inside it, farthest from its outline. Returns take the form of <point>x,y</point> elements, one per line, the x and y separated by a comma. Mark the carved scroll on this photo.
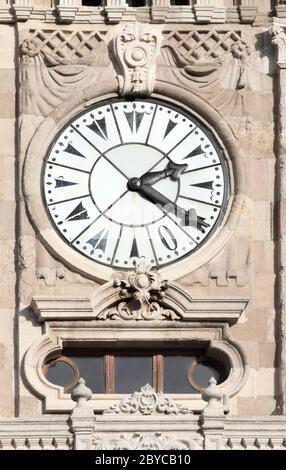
<point>147,402</point>
<point>142,292</point>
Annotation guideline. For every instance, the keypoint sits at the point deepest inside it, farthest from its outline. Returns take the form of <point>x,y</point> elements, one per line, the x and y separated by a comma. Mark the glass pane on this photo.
<point>91,370</point>
<point>202,373</point>
<point>60,373</point>
<point>131,373</point>
<point>176,374</point>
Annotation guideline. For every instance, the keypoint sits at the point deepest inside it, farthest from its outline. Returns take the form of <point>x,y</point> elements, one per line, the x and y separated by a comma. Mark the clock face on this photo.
<point>135,179</point>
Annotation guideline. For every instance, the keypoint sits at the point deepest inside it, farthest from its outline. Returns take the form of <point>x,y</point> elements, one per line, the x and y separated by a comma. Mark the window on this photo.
<point>180,2</point>
<point>92,3</point>
<point>123,372</point>
<point>137,3</point>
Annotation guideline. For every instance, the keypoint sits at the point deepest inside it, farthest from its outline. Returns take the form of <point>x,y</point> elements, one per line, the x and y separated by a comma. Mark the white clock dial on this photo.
<point>135,179</point>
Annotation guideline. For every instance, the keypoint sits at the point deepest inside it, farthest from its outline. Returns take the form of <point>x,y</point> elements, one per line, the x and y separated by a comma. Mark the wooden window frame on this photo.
<point>157,373</point>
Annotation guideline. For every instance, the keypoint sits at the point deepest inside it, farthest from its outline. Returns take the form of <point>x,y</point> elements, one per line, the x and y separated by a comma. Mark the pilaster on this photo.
<point>278,32</point>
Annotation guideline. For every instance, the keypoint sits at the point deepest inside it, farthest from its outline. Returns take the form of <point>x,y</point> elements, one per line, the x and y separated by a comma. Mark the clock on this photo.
<point>135,179</point>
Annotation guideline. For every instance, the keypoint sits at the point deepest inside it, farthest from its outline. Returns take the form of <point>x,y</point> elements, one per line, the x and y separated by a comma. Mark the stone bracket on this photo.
<point>22,12</point>
<point>247,13</point>
<point>66,14</point>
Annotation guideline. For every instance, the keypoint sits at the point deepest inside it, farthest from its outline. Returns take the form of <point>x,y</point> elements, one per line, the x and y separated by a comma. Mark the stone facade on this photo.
<point>226,63</point>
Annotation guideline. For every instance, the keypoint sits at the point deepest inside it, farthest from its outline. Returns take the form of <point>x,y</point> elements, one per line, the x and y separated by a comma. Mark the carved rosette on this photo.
<point>135,50</point>
<point>147,402</point>
<point>143,291</point>
<point>28,49</point>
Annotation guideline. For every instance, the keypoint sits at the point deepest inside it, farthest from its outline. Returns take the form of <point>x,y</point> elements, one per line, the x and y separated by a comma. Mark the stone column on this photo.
<point>82,417</point>
<point>22,9</point>
<point>67,10</point>
<point>212,419</point>
<point>8,210</point>
<point>248,11</point>
<point>278,33</point>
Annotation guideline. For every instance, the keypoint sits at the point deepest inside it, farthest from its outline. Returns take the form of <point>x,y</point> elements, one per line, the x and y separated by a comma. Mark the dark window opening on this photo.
<point>92,3</point>
<point>180,2</point>
<point>137,3</point>
<point>123,372</point>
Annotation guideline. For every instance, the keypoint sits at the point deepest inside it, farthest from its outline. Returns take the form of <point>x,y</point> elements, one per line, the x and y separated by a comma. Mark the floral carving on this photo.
<point>28,49</point>
<point>143,291</point>
<point>278,35</point>
<point>135,50</point>
<point>137,441</point>
<point>147,402</point>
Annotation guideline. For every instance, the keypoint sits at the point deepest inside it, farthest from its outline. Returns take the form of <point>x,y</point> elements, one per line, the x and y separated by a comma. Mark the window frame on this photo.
<point>157,356</point>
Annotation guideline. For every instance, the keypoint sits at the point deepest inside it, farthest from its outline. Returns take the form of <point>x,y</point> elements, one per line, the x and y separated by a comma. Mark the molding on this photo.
<point>115,12</point>
<point>111,432</point>
<point>176,299</point>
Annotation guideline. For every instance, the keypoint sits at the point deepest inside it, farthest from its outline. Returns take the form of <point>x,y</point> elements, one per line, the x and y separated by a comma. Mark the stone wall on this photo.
<point>224,67</point>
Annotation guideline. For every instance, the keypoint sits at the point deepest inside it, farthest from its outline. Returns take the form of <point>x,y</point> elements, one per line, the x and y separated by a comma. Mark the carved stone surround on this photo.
<point>82,322</point>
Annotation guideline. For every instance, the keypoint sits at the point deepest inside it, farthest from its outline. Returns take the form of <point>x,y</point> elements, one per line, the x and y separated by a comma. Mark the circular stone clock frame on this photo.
<point>194,106</point>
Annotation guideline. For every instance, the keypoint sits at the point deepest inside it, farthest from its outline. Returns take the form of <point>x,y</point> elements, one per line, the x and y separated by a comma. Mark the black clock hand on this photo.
<point>172,169</point>
<point>189,218</point>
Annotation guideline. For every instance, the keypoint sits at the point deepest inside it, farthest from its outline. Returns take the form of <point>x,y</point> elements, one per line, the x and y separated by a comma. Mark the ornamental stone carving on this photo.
<point>147,402</point>
<point>137,441</point>
<point>143,291</point>
<point>278,33</point>
<point>135,50</point>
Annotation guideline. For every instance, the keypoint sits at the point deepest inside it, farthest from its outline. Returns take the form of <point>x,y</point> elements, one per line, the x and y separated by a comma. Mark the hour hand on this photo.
<point>172,170</point>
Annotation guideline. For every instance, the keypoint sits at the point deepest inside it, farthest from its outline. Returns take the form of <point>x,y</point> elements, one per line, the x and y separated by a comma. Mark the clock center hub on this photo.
<point>134,184</point>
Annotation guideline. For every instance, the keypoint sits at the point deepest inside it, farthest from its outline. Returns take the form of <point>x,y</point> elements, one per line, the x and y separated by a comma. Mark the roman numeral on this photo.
<point>205,185</point>
<point>78,213</point>
<point>61,183</point>
<point>73,151</point>
<point>98,242</point>
<point>134,119</point>
<point>194,153</point>
<point>169,128</point>
<point>134,249</point>
<point>99,127</point>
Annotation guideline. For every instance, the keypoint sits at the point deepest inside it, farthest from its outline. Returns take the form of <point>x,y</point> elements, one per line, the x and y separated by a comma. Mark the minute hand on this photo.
<point>189,218</point>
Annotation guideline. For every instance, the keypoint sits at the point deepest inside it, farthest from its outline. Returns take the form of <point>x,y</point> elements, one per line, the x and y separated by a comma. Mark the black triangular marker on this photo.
<point>99,127</point>
<point>194,153</point>
<point>129,119</point>
<point>138,119</point>
<point>73,151</point>
<point>134,115</point>
<point>62,183</point>
<point>169,128</point>
<point>205,185</point>
<point>134,249</point>
<point>78,213</point>
<point>102,244</point>
<point>94,240</point>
